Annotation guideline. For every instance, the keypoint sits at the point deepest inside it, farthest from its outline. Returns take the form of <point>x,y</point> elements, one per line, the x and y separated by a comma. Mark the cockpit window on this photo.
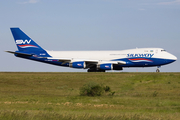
<point>163,50</point>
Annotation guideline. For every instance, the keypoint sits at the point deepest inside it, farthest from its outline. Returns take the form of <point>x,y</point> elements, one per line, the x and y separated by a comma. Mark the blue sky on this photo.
<point>90,25</point>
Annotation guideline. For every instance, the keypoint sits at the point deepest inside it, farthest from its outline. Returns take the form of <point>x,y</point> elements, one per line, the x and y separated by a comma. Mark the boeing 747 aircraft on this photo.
<point>94,61</point>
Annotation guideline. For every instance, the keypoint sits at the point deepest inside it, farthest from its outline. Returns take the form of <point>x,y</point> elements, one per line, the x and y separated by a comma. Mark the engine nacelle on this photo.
<point>77,64</point>
<point>109,66</point>
<point>106,66</point>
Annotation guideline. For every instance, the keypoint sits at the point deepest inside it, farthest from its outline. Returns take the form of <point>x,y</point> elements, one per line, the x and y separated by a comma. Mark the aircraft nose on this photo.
<point>172,57</point>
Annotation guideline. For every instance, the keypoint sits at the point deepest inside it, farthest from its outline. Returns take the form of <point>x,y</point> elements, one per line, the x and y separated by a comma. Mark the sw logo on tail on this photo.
<point>94,61</point>
<point>22,42</point>
<point>25,44</point>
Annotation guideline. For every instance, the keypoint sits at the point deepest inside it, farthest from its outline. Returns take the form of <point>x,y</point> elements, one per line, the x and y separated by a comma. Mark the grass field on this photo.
<point>45,96</point>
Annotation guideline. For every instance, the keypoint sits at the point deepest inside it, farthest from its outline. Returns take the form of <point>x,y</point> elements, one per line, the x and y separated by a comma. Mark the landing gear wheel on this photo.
<point>158,70</point>
<point>95,70</point>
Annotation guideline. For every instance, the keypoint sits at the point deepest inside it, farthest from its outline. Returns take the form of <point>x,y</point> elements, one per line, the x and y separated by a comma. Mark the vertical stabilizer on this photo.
<point>24,42</point>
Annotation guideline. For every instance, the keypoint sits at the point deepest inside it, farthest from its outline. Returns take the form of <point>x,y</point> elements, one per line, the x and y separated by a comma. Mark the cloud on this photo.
<point>175,2</point>
<point>30,2</point>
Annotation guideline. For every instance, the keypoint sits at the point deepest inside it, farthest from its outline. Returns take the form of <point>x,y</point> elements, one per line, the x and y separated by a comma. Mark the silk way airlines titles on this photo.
<point>140,55</point>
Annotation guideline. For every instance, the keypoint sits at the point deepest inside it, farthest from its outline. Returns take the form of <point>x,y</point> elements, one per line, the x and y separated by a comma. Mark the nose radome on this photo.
<point>172,57</point>
<point>175,58</point>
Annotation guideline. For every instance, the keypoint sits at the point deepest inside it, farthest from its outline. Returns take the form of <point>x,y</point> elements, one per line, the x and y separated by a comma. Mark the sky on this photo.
<point>68,25</point>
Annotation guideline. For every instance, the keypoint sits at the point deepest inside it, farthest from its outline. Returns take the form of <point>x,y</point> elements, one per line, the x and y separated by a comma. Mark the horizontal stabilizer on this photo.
<point>19,53</point>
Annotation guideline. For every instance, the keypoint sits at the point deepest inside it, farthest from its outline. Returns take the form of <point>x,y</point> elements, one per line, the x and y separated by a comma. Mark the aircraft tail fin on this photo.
<point>25,43</point>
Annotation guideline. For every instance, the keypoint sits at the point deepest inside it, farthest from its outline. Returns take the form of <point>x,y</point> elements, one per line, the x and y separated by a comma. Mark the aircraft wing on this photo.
<point>89,63</point>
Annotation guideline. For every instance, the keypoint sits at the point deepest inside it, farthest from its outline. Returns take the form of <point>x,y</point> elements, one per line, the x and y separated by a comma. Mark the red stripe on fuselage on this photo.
<point>140,59</point>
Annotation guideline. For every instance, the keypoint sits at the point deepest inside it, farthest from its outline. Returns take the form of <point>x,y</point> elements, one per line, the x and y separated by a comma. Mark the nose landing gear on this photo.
<point>157,70</point>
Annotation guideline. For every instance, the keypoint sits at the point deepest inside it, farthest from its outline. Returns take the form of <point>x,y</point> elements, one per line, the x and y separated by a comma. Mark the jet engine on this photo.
<point>106,66</point>
<point>109,66</point>
<point>77,64</point>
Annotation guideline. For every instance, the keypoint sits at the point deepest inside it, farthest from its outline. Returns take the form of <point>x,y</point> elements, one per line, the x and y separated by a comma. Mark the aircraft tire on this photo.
<point>157,70</point>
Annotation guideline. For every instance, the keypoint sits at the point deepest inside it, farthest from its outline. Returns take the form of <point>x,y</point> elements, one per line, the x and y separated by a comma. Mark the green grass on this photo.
<point>44,96</point>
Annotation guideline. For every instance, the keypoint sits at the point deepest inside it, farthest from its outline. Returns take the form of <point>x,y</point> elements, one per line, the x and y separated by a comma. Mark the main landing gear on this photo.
<point>95,70</point>
<point>157,70</point>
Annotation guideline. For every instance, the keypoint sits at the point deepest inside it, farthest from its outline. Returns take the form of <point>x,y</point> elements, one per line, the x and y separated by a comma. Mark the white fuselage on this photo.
<point>111,55</point>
